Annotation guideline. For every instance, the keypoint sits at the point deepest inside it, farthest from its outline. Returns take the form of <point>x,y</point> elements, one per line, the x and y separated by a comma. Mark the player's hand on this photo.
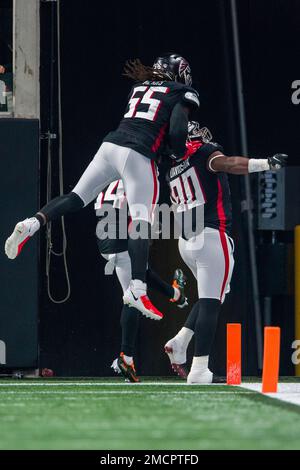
<point>277,161</point>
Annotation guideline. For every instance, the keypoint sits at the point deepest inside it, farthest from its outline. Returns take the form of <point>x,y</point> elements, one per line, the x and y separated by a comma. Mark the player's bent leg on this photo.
<point>175,292</point>
<point>129,324</point>
<point>213,263</point>
<point>25,229</point>
<point>176,347</point>
<point>120,262</point>
<point>60,206</point>
<point>138,249</point>
<point>205,329</point>
<point>124,364</point>
<point>97,175</point>
<point>140,180</point>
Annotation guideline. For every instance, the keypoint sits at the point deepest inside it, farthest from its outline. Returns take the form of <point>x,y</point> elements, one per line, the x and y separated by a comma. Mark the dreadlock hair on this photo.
<point>140,73</point>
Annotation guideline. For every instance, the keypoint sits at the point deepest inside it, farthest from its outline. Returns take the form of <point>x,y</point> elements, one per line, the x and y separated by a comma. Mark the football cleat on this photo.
<point>21,234</point>
<point>194,378</point>
<point>177,356</point>
<point>136,296</point>
<point>179,282</point>
<point>128,371</point>
<point>180,369</point>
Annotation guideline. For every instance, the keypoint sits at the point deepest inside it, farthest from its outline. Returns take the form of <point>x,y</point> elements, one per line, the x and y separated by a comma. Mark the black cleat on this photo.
<point>179,281</point>
<point>128,371</point>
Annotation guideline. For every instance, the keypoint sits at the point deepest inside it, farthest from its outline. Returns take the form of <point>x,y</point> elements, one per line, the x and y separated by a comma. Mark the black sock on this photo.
<point>41,219</point>
<point>138,250</point>
<point>129,323</point>
<point>206,324</point>
<point>192,318</point>
<point>155,282</point>
<point>59,206</point>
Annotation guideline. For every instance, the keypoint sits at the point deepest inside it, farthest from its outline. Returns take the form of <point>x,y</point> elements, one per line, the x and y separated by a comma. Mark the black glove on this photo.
<point>277,161</point>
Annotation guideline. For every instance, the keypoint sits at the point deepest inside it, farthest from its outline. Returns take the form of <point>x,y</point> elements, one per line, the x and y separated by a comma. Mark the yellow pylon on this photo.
<point>297,290</point>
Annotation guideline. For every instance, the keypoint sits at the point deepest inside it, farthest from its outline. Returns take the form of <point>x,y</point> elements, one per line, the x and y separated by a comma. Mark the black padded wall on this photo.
<point>19,195</point>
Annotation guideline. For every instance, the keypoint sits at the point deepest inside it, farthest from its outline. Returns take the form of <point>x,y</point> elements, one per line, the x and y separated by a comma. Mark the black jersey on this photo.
<point>192,184</point>
<point>146,121</point>
<point>112,213</point>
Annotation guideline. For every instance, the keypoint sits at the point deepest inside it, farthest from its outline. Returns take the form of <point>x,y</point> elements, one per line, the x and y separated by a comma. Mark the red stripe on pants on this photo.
<point>220,208</point>
<point>226,258</point>
<point>155,183</point>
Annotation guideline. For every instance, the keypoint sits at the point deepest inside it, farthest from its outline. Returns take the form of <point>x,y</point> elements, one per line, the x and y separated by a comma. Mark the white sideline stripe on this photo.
<point>96,384</point>
<point>287,392</point>
<point>119,392</point>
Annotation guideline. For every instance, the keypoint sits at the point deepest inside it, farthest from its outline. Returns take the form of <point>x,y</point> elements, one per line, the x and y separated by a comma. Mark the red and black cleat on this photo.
<point>127,370</point>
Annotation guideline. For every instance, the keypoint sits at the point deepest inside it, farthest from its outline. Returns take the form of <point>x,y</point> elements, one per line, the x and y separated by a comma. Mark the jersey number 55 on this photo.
<point>145,97</point>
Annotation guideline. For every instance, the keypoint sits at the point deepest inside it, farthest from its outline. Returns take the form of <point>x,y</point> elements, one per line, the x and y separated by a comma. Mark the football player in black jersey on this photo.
<point>112,239</point>
<point>199,180</point>
<point>159,104</point>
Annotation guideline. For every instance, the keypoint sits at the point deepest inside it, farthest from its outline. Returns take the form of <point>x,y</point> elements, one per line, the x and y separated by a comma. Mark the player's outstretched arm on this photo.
<point>242,165</point>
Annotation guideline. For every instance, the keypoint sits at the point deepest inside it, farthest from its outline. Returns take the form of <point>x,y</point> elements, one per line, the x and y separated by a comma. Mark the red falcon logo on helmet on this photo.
<point>185,72</point>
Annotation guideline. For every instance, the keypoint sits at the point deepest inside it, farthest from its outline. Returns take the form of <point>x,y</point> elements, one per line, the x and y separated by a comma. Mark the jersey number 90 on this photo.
<point>187,189</point>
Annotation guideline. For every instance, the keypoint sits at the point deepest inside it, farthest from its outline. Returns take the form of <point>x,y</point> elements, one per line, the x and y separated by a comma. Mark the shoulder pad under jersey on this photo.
<point>191,96</point>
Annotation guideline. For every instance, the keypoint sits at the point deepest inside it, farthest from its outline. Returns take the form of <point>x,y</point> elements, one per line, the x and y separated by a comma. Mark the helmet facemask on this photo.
<point>161,69</point>
<point>197,133</point>
<point>185,73</point>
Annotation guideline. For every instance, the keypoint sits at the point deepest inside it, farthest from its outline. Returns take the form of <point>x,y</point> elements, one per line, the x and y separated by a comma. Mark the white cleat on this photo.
<point>137,298</point>
<point>203,378</point>
<point>175,351</point>
<point>21,234</point>
<point>177,356</point>
<point>115,366</point>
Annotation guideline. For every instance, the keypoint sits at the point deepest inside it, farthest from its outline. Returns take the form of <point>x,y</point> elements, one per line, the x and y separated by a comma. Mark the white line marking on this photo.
<point>119,392</point>
<point>287,392</point>
<point>97,384</point>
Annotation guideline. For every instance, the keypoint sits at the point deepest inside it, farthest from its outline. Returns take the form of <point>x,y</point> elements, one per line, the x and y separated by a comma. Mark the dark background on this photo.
<point>19,281</point>
<point>82,336</point>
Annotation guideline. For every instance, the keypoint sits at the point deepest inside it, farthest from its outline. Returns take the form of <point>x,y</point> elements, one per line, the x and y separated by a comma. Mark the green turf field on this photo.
<point>94,414</point>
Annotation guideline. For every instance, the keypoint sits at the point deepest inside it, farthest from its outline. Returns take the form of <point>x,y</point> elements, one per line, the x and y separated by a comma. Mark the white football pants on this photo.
<point>121,263</point>
<point>210,258</point>
<point>138,173</point>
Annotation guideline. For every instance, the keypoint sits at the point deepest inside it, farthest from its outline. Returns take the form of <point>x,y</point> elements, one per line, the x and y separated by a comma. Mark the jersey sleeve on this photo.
<point>207,149</point>
<point>190,97</point>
